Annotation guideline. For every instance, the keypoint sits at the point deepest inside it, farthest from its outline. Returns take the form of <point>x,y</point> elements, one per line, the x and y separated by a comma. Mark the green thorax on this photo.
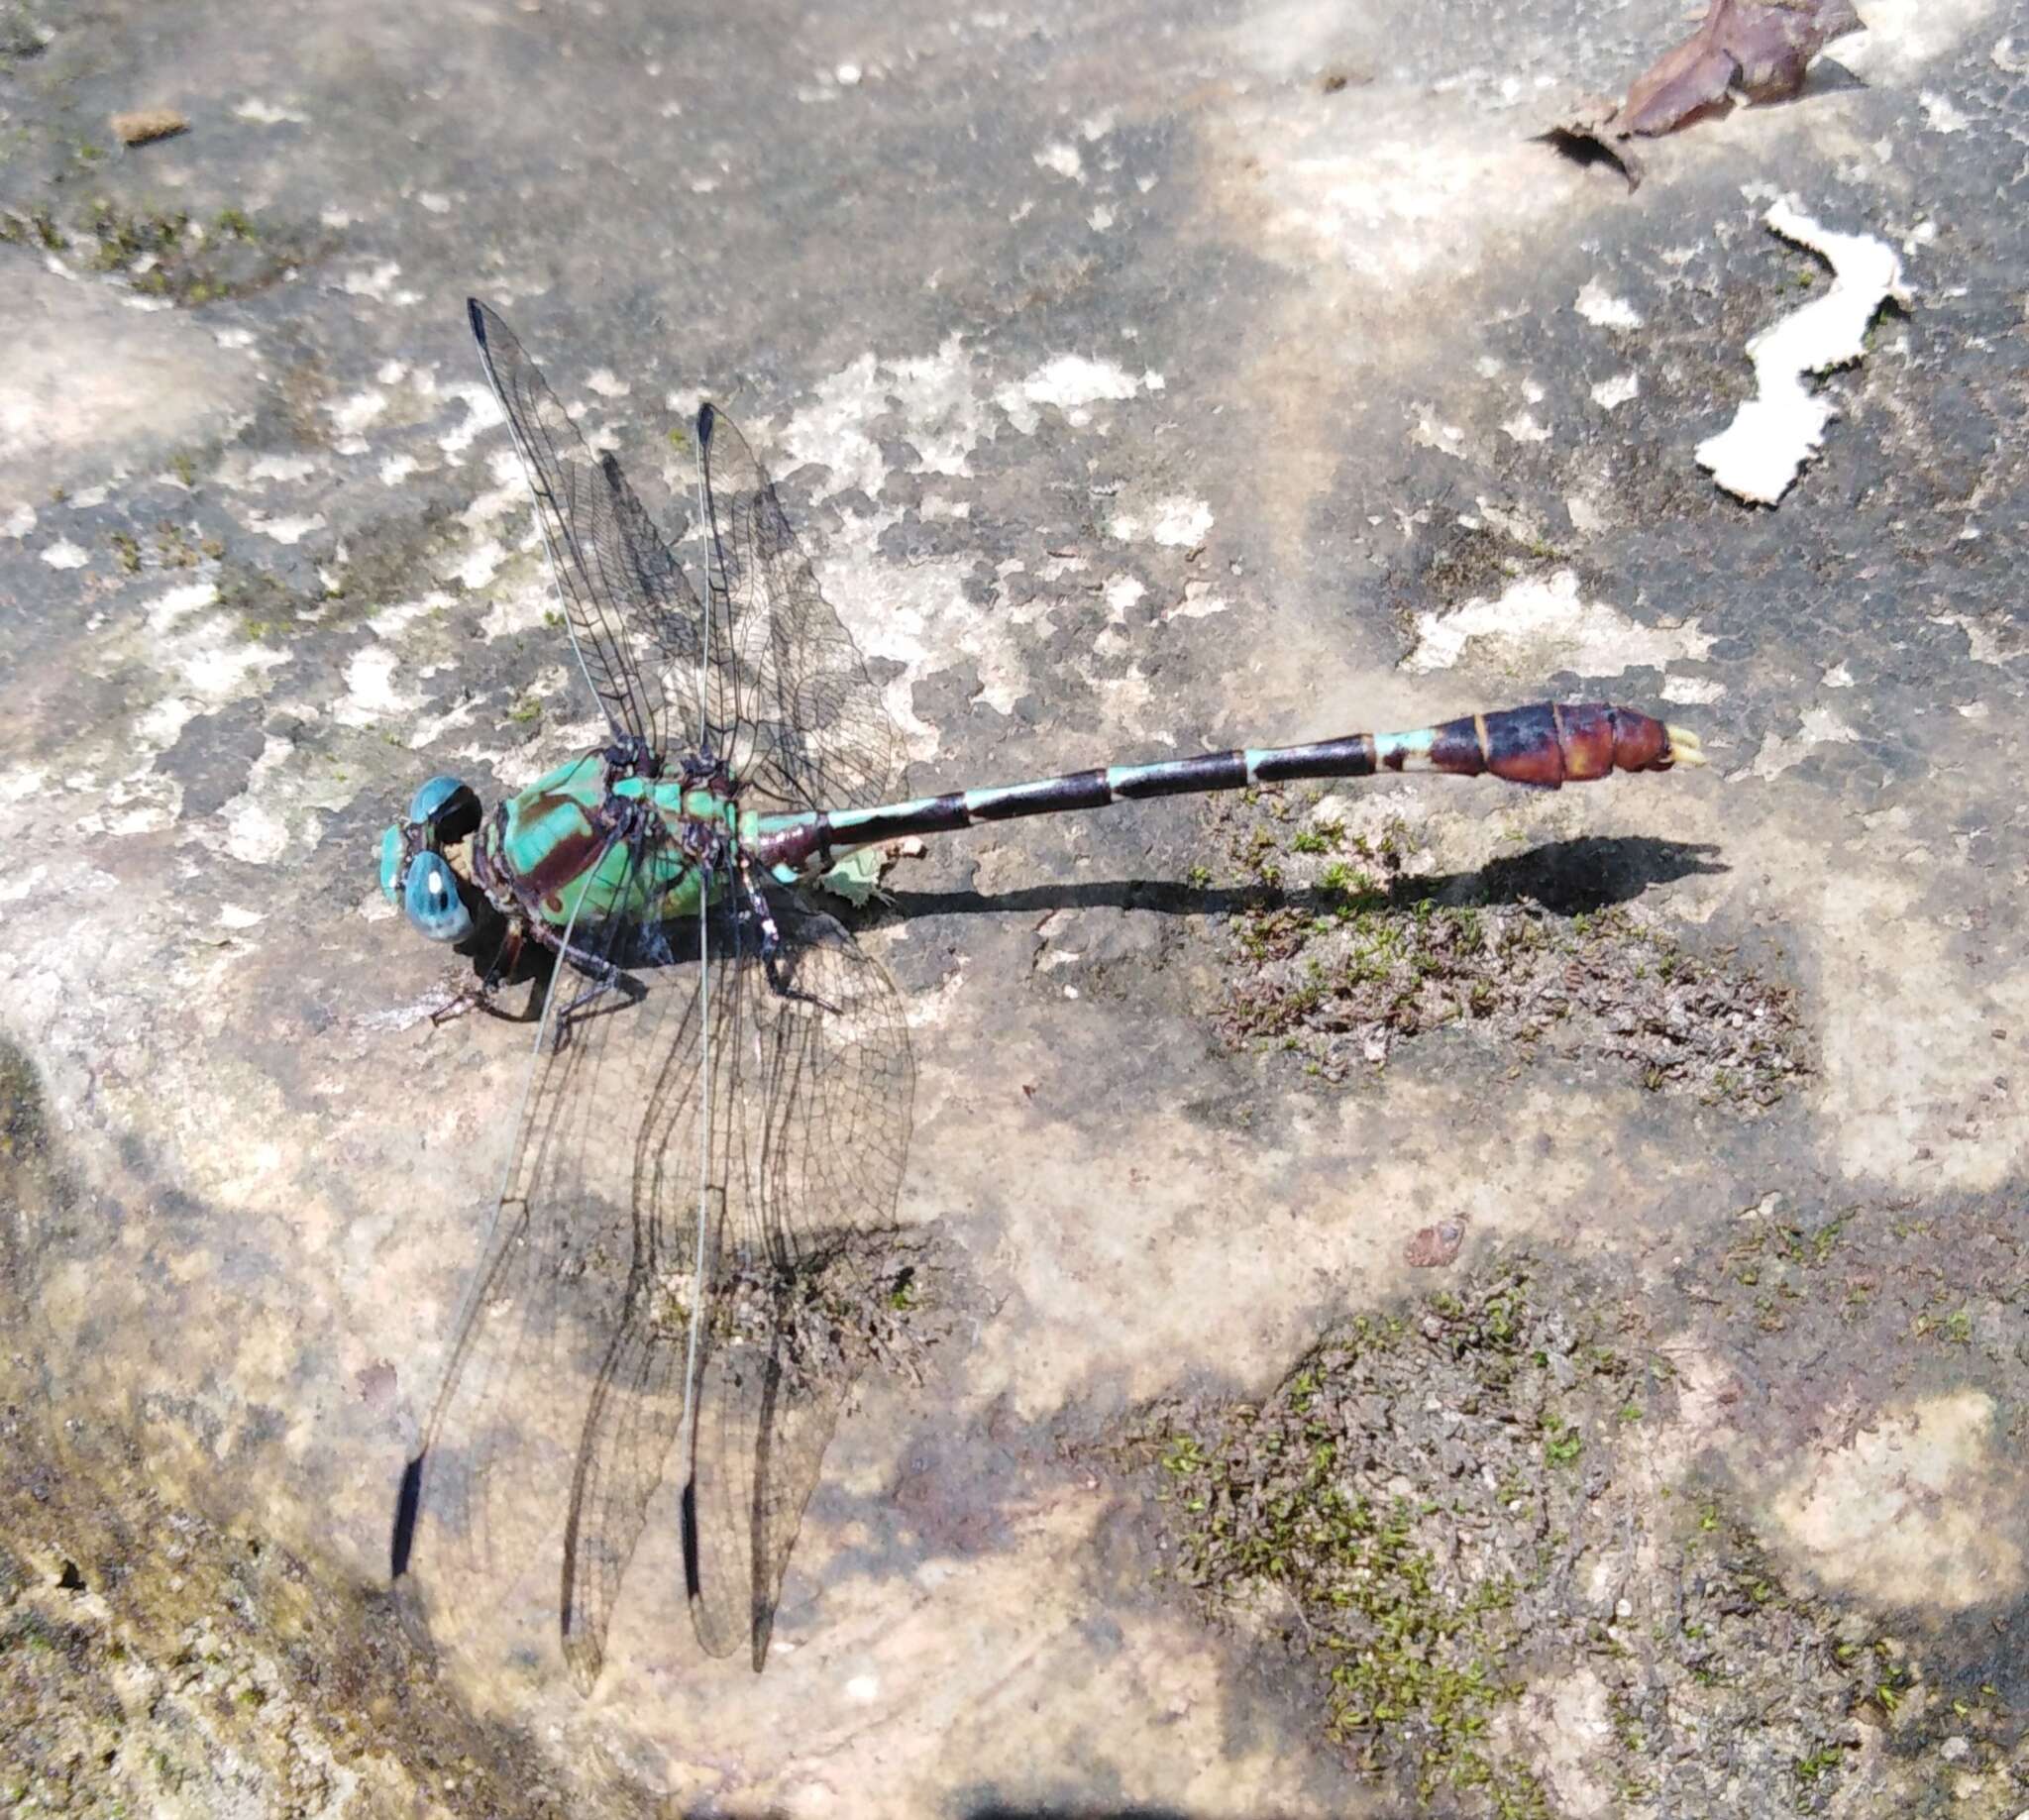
<point>544,843</point>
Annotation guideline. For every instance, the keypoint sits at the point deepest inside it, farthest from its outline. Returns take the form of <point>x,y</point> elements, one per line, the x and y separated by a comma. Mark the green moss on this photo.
<point>159,252</point>
<point>1414,1657</point>
<point>1401,955</point>
<point>1410,1512</point>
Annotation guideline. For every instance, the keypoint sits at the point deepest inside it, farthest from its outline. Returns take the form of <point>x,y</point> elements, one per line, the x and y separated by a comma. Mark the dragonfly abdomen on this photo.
<point>1544,744</point>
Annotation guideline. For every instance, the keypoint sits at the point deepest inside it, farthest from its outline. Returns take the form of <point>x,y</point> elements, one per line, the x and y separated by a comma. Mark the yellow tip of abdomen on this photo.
<point>1684,746</point>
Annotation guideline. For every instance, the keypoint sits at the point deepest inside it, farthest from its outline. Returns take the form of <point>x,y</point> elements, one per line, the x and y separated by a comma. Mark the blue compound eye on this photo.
<point>390,865</point>
<point>430,897</point>
<point>450,807</point>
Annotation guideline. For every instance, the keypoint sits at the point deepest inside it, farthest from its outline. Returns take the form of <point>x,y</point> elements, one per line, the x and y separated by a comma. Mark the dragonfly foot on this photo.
<point>778,983</point>
<point>458,1005</point>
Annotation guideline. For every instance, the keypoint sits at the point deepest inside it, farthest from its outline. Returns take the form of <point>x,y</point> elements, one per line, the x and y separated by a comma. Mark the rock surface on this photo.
<point>1140,377</point>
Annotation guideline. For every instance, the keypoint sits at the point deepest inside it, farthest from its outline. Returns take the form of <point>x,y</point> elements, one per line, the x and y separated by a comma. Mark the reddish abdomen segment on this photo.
<point>1546,744</point>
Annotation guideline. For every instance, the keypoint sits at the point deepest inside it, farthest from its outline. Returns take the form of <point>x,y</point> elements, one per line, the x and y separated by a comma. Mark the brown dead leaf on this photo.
<point>1755,49</point>
<point>1752,50</point>
<point>148,123</point>
<point>1431,1247</point>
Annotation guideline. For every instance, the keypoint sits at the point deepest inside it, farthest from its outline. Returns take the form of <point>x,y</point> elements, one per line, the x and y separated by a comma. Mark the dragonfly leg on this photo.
<point>603,978</point>
<point>770,942</point>
<point>505,959</point>
<point>757,899</point>
<point>486,994</point>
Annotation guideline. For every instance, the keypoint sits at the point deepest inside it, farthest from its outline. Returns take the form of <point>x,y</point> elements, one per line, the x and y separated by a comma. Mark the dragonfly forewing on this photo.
<point>635,622</point>
<point>807,725</point>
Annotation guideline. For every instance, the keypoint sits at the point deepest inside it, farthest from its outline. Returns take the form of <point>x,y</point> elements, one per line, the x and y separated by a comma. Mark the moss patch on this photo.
<point>1361,953</point>
<point>1508,1596</point>
<point>171,253</point>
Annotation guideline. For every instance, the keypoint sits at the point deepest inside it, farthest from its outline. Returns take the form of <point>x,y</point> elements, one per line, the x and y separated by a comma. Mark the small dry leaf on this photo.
<point>1433,1246</point>
<point>1752,50</point>
<point>1757,49</point>
<point>149,123</point>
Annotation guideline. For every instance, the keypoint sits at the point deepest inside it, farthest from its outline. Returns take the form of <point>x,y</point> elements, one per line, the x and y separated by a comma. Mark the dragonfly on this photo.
<point>693,1252</point>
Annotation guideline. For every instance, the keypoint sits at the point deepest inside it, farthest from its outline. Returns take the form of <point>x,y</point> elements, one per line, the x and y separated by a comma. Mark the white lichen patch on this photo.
<point>481,413</point>
<point>1600,307</point>
<point>1903,36</point>
<point>177,603</point>
<point>1983,640</point>
<point>1760,453</point>
<point>1939,114</point>
<point>18,522</point>
<point>916,615</point>
<point>1524,428</point>
<point>508,492</point>
<point>377,282</point>
<point>480,564</point>
<point>832,430</point>
<point>350,415</point>
<point>64,554</point>
<point>521,607</point>
<point>217,665</point>
<point>432,727</point>
<point>285,468</point>
<point>370,690</point>
<point>1062,159</point>
<point>1611,394</point>
<point>397,615</point>
<point>1200,601</point>
<point>1121,592</point>
<point>940,404</point>
<point>1071,383</point>
<point>1428,431</point>
<point>255,831</point>
<point>286,527</point>
<point>1692,691</point>
<point>1178,522</point>
<point>1819,726</point>
<point>268,113</point>
<point>1541,624</point>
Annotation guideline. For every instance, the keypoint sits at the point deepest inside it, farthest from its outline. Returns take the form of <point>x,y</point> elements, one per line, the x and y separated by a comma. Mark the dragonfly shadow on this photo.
<point>1590,873</point>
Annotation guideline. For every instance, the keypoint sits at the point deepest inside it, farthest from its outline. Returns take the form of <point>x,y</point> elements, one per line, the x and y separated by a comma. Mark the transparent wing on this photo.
<point>791,704</point>
<point>820,1105</point>
<point>565,1393</point>
<point>559,1336</point>
<point>635,621</point>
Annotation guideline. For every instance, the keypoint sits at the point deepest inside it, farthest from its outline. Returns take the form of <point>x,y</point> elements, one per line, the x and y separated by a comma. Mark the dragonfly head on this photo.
<point>416,871</point>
